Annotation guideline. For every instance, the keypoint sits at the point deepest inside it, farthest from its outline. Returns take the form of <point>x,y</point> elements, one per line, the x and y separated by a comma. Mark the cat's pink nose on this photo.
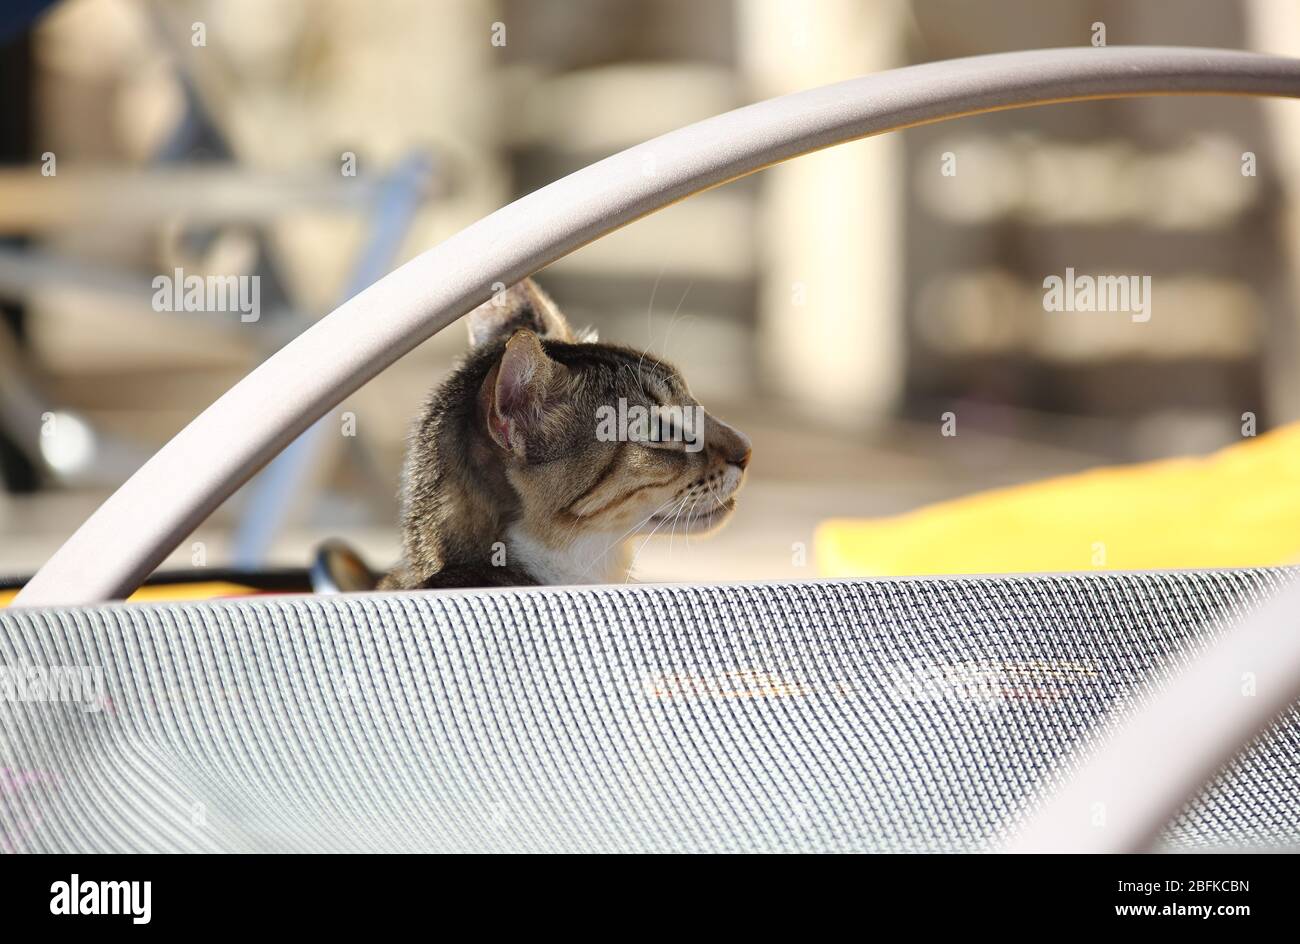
<point>730,443</point>
<point>739,449</point>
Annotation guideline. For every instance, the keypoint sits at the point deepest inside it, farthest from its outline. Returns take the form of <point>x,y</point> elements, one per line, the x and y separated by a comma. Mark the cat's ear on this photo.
<point>524,305</point>
<point>521,386</point>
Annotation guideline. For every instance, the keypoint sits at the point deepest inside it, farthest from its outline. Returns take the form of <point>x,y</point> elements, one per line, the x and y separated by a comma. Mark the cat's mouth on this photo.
<point>695,522</point>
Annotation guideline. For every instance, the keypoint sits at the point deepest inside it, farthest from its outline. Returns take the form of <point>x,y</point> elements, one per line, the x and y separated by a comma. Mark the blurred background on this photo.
<point>836,308</point>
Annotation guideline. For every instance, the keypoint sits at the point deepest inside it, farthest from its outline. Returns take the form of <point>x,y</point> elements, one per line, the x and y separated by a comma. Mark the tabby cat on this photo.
<point>533,462</point>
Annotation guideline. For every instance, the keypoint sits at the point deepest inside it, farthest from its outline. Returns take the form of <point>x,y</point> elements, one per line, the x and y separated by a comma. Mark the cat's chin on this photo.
<point>692,523</point>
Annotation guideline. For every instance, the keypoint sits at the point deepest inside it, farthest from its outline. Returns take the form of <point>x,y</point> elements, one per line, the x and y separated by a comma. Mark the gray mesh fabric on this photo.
<point>919,714</point>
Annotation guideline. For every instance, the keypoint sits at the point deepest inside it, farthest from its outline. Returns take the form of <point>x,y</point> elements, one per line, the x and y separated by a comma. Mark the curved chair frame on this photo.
<point>171,494</point>
<point>132,532</point>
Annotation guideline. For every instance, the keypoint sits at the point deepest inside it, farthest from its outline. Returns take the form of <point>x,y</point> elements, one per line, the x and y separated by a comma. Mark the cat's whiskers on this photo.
<point>676,516</point>
<point>649,318</point>
<point>673,518</point>
<point>663,351</point>
<point>626,534</point>
<point>696,508</point>
<point>715,492</point>
<point>690,513</point>
<point>699,510</point>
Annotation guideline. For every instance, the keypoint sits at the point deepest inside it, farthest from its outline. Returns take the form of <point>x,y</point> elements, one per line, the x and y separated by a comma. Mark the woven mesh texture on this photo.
<point>918,714</point>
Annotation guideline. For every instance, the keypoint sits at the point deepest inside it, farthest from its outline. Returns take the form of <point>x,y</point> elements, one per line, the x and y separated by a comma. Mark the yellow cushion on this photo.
<point>162,593</point>
<point>1238,507</point>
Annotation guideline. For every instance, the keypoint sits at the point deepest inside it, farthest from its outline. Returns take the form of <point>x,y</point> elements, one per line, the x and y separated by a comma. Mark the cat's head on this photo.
<point>598,438</point>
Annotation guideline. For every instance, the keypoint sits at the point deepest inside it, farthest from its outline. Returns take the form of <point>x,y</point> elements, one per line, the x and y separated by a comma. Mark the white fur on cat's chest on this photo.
<point>588,558</point>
